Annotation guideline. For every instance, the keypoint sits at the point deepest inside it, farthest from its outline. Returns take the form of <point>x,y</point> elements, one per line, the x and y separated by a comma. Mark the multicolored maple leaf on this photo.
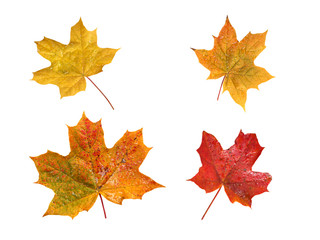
<point>91,170</point>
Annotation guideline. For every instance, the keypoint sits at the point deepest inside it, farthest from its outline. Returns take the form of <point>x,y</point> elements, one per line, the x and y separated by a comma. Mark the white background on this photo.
<point>155,82</point>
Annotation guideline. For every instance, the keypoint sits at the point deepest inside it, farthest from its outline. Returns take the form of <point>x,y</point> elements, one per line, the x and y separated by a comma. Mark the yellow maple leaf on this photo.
<point>71,63</point>
<point>234,61</point>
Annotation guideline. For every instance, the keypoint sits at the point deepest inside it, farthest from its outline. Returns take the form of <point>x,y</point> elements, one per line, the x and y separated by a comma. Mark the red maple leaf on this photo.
<point>231,168</point>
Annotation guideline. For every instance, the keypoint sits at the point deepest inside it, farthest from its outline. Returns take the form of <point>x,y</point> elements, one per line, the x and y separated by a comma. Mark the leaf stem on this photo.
<point>104,211</point>
<point>221,87</point>
<point>100,92</point>
<point>211,203</point>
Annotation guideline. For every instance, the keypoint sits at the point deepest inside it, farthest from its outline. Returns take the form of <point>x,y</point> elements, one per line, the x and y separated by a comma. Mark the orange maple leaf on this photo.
<point>91,170</point>
<point>234,61</point>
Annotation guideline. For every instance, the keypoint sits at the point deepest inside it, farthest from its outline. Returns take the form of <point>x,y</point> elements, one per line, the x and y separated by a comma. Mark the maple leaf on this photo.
<point>71,63</point>
<point>234,61</point>
<point>91,170</point>
<point>231,168</point>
